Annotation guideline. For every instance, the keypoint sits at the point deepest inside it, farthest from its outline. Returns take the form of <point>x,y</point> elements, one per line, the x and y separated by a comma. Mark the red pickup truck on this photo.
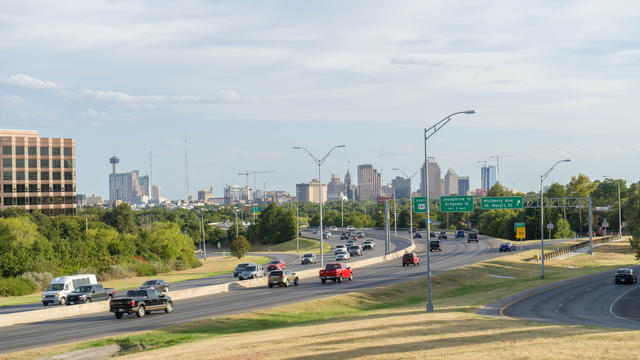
<point>336,272</point>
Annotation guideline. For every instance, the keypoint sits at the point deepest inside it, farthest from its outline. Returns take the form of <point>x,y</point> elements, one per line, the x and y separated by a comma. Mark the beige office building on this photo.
<point>309,192</point>
<point>38,173</point>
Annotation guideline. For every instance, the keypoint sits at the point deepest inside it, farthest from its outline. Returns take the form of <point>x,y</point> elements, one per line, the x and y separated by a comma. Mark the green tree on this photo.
<point>240,246</point>
<point>121,218</point>
<point>275,225</point>
<point>563,230</point>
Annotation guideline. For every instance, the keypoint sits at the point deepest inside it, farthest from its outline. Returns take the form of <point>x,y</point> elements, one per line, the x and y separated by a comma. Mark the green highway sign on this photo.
<point>517,225</point>
<point>456,203</point>
<point>506,202</point>
<point>257,210</point>
<point>420,204</point>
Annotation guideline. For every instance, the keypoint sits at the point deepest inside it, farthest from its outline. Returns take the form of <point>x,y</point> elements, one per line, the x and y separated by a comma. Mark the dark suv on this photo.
<point>435,246</point>
<point>473,236</point>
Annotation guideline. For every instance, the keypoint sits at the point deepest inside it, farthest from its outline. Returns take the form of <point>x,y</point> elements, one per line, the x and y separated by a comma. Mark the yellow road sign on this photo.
<point>520,233</point>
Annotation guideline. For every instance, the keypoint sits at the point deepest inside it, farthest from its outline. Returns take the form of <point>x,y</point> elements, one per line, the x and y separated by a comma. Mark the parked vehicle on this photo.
<point>309,258</point>
<point>89,293</point>
<point>417,235</point>
<point>61,286</point>
<point>157,284</point>
<point>460,234</point>
<point>336,272</point>
<point>355,250</point>
<point>442,235</point>
<point>252,272</point>
<point>625,275</point>
<point>342,255</point>
<point>410,259</point>
<point>435,246</point>
<point>508,246</point>
<point>140,302</point>
<point>276,265</point>
<point>240,267</point>
<point>368,245</point>
<point>282,278</point>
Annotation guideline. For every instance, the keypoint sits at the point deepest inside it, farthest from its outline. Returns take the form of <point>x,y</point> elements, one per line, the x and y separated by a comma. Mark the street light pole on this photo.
<point>204,244</point>
<point>542,178</point>
<point>619,208</point>
<point>297,230</point>
<point>395,213</point>
<point>319,162</point>
<point>429,132</point>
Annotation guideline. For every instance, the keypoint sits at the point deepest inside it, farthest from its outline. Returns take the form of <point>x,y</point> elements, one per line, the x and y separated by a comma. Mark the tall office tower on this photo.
<point>309,192</point>
<point>155,192</point>
<point>127,187</point>
<point>233,194</point>
<point>205,195</point>
<point>38,173</point>
<point>349,186</point>
<point>463,185</point>
<point>335,188</point>
<point>488,176</point>
<point>402,187</point>
<point>369,182</point>
<point>434,180</point>
<point>451,183</point>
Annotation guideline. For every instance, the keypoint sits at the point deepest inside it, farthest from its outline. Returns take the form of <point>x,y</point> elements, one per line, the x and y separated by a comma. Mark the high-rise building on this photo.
<point>205,195</point>
<point>402,187</point>
<point>488,176</point>
<point>309,192</point>
<point>349,186</point>
<point>95,200</point>
<point>234,194</point>
<point>81,200</point>
<point>335,188</point>
<point>451,183</point>
<point>434,181</point>
<point>38,173</point>
<point>369,182</point>
<point>463,185</point>
<point>156,193</point>
<point>127,187</point>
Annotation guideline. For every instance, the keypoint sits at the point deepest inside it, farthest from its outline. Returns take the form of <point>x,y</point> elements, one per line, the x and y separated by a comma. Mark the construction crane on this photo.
<point>246,173</point>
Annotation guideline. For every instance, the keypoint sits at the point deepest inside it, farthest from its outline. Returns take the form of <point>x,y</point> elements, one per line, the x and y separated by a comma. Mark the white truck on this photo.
<point>62,286</point>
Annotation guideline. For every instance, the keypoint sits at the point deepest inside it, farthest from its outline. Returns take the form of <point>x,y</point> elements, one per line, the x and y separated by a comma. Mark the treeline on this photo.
<point>111,243</point>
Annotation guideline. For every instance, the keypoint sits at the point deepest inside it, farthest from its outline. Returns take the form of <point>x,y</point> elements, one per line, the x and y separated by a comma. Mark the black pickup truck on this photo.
<point>88,293</point>
<point>140,302</point>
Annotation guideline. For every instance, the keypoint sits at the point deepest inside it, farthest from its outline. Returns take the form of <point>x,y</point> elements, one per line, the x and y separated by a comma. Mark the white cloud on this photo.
<point>7,101</point>
<point>26,81</point>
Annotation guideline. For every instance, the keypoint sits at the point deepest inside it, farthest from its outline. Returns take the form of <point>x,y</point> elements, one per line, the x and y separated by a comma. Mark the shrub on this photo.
<point>16,287</point>
<point>41,280</point>
<point>114,272</point>
<point>145,269</point>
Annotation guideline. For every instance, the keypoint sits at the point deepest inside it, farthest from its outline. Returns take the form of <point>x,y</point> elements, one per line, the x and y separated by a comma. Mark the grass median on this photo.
<point>390,322</point>
<point>213,266</point>
<point>306,246</point>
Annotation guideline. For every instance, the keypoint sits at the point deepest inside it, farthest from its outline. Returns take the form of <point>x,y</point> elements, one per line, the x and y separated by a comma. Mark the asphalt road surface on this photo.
<point>455,253</point>
<point>589,300</point>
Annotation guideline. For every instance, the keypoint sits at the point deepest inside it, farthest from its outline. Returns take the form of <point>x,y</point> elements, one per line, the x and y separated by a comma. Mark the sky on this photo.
<point>246,81</point>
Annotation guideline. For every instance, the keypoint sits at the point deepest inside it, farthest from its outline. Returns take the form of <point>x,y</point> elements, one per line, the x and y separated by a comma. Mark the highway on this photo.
<point>589,300</point>
<point>456,253</point>
<point>291,260</point>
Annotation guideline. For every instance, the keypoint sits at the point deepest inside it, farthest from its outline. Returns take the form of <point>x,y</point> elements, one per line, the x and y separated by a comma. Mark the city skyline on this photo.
<point>246,81</point>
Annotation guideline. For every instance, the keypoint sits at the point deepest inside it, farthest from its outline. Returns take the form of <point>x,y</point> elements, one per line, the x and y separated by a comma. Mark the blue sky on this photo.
<point>246,81</point>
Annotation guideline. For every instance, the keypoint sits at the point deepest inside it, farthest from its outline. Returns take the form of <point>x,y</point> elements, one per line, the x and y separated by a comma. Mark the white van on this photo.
<point>62,286</point>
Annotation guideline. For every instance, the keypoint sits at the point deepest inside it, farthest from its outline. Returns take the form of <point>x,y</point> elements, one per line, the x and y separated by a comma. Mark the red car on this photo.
<point>276,265</point>
<point>410,258</point>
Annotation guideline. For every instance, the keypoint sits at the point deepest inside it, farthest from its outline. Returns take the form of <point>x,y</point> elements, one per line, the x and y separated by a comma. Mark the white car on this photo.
<point>342,255</point>
<point>341,247</point>
<point>333,228</point>
<point>350,228</point>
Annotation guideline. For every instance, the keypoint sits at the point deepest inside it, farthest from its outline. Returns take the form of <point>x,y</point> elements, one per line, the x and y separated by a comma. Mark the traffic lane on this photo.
<point>104,324</point>
<point>590,300</point>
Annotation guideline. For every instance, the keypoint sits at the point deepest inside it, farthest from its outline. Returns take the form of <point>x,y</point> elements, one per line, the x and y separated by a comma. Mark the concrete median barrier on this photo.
<point>61,312</point>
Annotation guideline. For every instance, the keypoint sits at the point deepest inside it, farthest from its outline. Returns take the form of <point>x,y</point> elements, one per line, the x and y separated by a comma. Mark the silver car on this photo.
<point>342,255</point>
<point>252,272</point>
<point>355,250</point>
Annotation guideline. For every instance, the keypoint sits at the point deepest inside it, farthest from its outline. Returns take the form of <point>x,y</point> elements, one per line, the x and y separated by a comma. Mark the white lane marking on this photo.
<point>587,289</point>
<point>572,297</point>
<point>616,300</point>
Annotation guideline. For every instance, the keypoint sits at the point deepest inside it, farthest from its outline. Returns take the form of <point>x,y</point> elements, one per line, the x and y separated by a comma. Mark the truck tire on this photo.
<point>295,282</point>
<point>141,311</point>
<point>323,281</point>
<point>118,315</point>
<point>63,300</point>
<point>270,286</point>
<point>87,301</point>
<point>109,297</point>
<point>169,307</point>
<point>286,283</point>
<point>45,303</point>
<point>351,277</point>
<point>340,278</point>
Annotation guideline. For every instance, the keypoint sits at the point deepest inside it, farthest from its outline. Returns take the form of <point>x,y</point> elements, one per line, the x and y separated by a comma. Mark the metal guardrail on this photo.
<point>569,249</point>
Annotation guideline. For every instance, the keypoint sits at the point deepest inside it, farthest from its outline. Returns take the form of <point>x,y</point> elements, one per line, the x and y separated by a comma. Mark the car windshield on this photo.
<point>136,293</point>
<point>308,255</point>
<point>250,268</point>
<point>149,282</point>
<point>624,271</point>
<point>276,273</point>
<point>83,289</point>
<point>55,287</point>
<point>408,256</point>
<point>332,266</point>
<point>275,262</point>
<point>240,266</point>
